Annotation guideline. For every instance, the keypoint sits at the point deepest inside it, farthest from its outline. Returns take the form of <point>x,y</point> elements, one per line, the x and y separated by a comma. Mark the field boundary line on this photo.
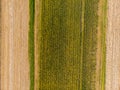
<point>82,40</point>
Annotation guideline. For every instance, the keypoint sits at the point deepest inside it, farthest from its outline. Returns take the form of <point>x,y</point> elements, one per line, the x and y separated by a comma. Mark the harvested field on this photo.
<point>113,44</point>
<point>14,45</point>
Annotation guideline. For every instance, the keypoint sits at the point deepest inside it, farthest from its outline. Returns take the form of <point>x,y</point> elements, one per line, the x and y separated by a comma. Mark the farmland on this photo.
<point>67,37</point>
<point>31,42</point>
<point>113,44</point>
<point>14,45</point>
<point>59,44</point>
<point>56,45</point>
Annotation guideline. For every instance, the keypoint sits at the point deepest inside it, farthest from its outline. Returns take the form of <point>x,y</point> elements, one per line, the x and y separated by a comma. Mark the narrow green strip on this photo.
<point>90,45</point>
<point>31,42</point>
<point>103,25</point>
<point>82,40</point>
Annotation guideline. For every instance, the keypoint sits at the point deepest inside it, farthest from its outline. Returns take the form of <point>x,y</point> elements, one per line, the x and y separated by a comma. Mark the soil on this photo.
<point>14,45</point>
<point>113,46</point>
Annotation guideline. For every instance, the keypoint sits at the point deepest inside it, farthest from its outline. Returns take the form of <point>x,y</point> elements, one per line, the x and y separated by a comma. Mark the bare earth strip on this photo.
<point>98,55</point>
<point>14,37</point>
<point>113,46</point>
<point>38,8</point>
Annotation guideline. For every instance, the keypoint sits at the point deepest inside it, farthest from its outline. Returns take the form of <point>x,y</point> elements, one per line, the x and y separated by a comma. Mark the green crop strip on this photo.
<point>31,43</point>
<point>60,44</point>
<point>67,44</point>
<point>103,25</point>
<point>90,45</point>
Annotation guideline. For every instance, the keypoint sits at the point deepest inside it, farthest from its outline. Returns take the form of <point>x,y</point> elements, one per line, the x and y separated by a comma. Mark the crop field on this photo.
<point>59,44</point>
<point>69,43</point>
<point>31,43</point>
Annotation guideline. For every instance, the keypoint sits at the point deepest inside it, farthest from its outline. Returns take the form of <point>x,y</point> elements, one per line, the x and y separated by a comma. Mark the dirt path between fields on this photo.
<point>99,48</point>
<point>14,43</point>
<point>37,38</point>
<point>113,46</point>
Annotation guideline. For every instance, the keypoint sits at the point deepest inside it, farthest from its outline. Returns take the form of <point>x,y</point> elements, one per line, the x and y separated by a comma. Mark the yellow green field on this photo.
<point>68,37</point>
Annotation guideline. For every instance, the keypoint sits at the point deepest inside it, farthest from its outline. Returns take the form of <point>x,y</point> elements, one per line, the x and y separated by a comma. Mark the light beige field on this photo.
<point>14,44</point>
<point>113,46</point>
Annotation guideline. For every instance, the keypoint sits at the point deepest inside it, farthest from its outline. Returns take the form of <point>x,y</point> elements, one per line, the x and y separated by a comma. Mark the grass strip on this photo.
<point>31,42</point>
<point>90,45</point>
<point>104,26</point>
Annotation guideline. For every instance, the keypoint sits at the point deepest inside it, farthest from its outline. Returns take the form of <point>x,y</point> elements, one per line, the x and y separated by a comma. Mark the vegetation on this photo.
<point>60,44</point>
<point>90,45</point>
<point>31,43</point>
<point>67,44</point>
<point>103,38</point>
